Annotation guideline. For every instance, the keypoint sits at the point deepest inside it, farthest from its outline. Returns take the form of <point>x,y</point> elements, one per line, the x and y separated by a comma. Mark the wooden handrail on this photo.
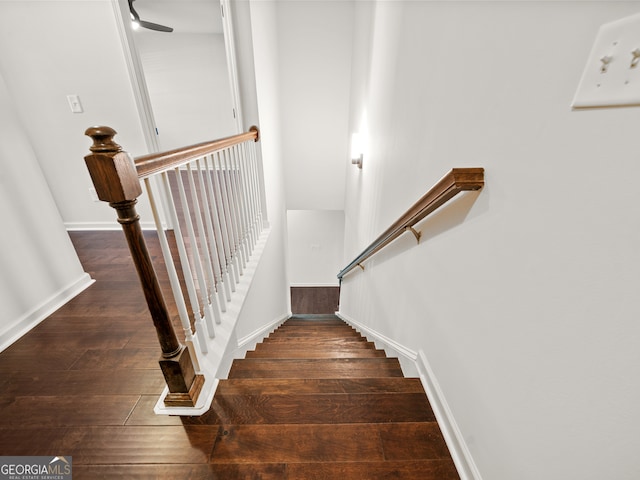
<point>117,180</point>
<point>454,182</point>
<point>153,163</point>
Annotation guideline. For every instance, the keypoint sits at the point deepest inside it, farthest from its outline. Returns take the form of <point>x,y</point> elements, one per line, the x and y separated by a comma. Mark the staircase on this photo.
<point>317,401</point>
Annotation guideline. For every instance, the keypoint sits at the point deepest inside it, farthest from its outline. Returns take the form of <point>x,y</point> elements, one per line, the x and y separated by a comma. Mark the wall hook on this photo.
<point>606,60</point>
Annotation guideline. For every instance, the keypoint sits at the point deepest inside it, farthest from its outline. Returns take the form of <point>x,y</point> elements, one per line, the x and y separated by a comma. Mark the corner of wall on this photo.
<point>30,319</point>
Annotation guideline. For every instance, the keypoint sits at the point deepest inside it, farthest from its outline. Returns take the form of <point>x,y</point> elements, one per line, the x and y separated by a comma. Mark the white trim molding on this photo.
<point>406,356</point>
<point>136,74</point>
<point>418,362</point>
<point>232,63</point>
<point>32,318</point>
<point>248,342</point>
<point>452,435</point>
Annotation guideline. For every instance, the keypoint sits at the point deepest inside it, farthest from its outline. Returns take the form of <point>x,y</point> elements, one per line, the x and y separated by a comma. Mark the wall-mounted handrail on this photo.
<point>454,182</point>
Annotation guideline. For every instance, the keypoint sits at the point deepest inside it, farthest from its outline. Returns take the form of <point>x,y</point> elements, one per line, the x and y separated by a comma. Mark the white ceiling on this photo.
<point>185,16</point>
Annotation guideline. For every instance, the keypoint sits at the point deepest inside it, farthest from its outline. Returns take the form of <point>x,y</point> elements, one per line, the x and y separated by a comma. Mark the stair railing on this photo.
<point>211,195</point>
<point>454,182</point>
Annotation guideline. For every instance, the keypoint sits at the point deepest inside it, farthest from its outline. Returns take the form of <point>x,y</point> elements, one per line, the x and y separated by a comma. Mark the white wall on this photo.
<point>186,75</point>
<point>523,297</point>
<point>39,269</point>
<point>316,246</point>
<point>314,46</point>
<point>48,50</point>
<point>75,47</point>
<point>268,298</point>
<point>314,65</point>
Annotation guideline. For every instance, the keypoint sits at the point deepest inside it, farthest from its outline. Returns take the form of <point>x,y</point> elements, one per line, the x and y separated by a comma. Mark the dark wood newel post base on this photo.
<point>116,181</point>
<point>184,385</point>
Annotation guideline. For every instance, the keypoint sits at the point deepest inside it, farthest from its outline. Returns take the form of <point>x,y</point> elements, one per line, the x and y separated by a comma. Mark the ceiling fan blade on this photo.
<point>145,24</point>
<point>136,17</point>
<point>154,26</point>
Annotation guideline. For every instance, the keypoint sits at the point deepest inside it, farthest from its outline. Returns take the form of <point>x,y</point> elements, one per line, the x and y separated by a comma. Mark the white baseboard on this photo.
<point>248,342</point>
<point>406,356</point>
<point>452,435</point>
<point>22,325</point>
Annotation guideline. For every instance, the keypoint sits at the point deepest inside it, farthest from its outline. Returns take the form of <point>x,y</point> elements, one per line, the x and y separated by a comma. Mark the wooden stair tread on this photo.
<point>328,443</point>
<point>316,345</point>
<point>316,409</point>
<point>315,368</point>
<point>313,334</point>
<point>295,351</point>
<point>309,325</point>
<point>203,471</point>
<point>315,354</point>
<point>300,386</point>
<point>309,328</point>
<point>316,400</point>
<point>315,322</point>
<point>347,341</point>
<point>433,469</point>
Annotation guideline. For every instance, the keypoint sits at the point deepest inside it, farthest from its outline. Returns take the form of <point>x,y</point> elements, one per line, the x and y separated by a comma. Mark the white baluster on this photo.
<point>246,190</point>
<point>204,247</point>
<point>217,229</point>
<point>229,213</point>
<point>197,263</point>
<point>184,262</point>
<point>257,191</point>
<point>224,224</point>
<point>171,271</point>
<point>213,250</point>
<point>237,193</point>
<point>230,172</point>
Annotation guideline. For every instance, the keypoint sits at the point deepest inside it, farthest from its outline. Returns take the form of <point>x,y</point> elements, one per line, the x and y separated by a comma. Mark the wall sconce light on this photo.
<point>356,149</point>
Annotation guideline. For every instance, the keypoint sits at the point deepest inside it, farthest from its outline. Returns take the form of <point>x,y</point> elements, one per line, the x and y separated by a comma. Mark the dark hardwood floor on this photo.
<point>313,401</point>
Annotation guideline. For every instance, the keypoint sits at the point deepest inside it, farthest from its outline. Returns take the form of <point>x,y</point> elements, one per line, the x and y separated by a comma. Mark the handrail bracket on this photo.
<point>416,234</point>
<point>456,181</point>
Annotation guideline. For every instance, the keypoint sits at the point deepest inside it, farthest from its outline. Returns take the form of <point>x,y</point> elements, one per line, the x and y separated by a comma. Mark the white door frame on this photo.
<point>139,84</point>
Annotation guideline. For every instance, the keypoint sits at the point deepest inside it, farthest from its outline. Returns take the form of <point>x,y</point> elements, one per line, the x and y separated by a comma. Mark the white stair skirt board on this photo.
<point>213,363</point>
<point>418,362</point>
<point>32,318</point>
<point>249,342</point>
<point>407,357</point>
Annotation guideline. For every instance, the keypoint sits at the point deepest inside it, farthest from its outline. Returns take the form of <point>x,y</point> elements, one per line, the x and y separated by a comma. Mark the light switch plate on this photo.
<point>74,103</point>
<point>612,75</point>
